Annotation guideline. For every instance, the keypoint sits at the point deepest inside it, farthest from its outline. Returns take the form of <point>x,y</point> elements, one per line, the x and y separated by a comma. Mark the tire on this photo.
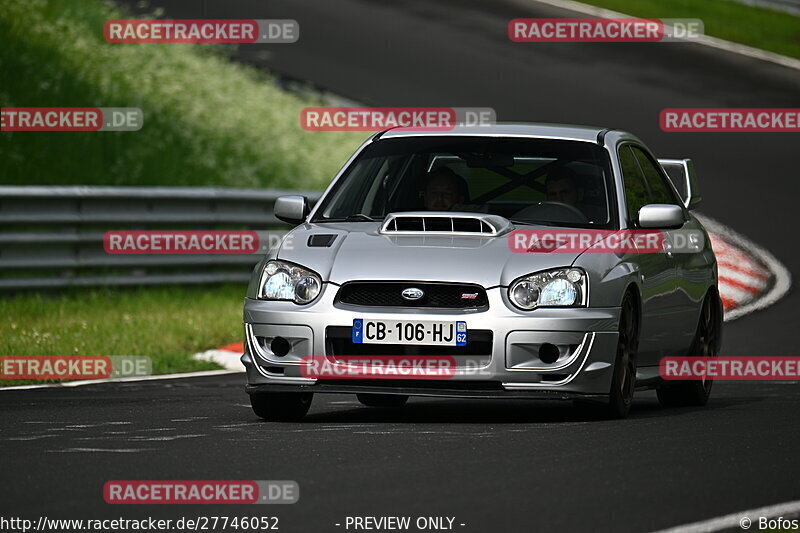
<point>706,343</point>
<point>382,400</point>
<point>281,406</point>
<point>623,380</point>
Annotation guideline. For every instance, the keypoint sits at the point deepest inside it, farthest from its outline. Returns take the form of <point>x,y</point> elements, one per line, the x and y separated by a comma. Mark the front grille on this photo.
<point>437,295</point>
<point>339,341</point>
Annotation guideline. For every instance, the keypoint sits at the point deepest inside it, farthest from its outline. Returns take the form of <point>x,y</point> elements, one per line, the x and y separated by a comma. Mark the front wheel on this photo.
<point>623,381</point>
<point>706,344</point>
<point>281,406</point>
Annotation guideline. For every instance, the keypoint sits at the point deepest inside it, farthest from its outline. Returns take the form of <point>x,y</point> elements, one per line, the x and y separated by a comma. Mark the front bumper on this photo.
<point>507,358</point>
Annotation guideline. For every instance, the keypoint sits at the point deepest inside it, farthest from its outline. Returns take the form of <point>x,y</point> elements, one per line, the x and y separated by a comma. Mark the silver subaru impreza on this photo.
<point>505,261</point>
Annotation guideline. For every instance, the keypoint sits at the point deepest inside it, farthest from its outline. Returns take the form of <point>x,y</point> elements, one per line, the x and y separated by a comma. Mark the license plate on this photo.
<point>409,332</point>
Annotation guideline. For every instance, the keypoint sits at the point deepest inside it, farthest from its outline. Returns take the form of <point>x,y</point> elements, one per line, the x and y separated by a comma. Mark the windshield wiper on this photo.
<point>359,217</point>
<point>532,223</point>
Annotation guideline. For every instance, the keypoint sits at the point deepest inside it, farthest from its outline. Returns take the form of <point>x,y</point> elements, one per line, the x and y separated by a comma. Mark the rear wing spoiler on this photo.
<point>681,173</point>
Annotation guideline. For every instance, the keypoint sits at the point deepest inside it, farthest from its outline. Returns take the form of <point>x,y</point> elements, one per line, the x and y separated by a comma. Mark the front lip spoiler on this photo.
<point>499,394</point>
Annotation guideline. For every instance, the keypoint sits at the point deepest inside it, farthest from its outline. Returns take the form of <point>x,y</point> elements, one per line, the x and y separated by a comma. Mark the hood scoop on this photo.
<point>321,240</point>
<point>444,223</point>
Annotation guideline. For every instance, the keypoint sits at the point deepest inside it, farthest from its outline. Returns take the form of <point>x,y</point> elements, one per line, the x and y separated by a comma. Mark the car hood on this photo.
<point>360,252</point>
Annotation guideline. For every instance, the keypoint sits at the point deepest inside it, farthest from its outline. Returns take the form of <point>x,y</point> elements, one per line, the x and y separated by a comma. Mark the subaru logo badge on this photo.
<point>412,293</point>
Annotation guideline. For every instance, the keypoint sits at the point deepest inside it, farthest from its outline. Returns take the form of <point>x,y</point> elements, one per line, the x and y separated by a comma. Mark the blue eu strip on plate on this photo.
<point>358,330</point>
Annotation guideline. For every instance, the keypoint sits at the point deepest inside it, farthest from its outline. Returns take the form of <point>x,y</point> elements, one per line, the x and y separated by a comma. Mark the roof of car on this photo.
<point>546,131</point>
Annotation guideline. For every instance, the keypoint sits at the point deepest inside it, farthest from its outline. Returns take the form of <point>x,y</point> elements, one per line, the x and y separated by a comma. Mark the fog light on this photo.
<point>549,353</point>
<point>280,346</point>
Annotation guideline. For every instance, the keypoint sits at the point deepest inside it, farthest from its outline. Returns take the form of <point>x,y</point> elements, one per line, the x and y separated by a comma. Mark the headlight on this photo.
<point>565,287</point>
<point>285,281</point>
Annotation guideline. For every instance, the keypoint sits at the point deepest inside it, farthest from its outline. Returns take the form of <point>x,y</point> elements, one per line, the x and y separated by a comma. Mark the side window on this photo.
<point>660,191</point>
<point>636,193</point>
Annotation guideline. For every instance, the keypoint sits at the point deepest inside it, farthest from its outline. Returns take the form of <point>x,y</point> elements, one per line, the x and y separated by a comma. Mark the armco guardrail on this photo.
<point>53,236</point>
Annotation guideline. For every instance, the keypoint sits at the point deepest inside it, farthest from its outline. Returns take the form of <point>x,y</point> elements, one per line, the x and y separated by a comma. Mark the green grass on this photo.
<point>166,323</point>
<point>207,121</point>
<point>754,26</point>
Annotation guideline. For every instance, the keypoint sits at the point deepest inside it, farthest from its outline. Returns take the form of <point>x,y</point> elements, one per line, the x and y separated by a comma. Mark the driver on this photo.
<point>563,185</point>
<point>444,189</point>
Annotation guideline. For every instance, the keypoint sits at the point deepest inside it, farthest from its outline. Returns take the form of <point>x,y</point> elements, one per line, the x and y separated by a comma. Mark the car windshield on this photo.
<point>528,181</point>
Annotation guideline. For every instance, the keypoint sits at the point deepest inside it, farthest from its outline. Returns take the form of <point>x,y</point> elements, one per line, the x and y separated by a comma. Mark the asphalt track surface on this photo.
<point>495,466</point>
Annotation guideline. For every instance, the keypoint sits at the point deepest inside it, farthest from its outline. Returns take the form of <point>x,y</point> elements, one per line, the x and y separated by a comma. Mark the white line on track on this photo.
<point>122,380</point>
<point>713,42</point>
<point>734,520</point>
<point>99,450</point>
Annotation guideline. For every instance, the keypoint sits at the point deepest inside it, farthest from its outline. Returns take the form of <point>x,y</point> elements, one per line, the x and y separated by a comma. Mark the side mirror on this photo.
<point>291,209</point>
<point>681,174</point>
<point>661,216</point>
